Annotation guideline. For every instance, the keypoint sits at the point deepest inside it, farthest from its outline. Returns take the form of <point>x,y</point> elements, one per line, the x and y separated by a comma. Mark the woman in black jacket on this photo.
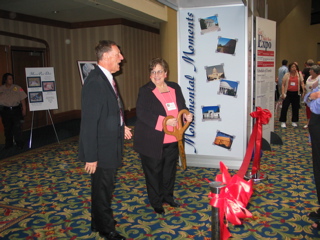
<point>158,151</point>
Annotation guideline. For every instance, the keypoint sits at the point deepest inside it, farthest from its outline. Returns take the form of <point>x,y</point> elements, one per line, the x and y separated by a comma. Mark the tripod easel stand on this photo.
<point>30,140</point>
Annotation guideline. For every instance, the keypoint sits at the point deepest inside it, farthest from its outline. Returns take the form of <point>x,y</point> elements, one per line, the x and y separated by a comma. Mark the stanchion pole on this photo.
<point>215,188</point>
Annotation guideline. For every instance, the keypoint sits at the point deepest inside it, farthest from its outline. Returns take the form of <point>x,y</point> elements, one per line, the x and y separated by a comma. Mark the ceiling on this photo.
<point>72,11</point>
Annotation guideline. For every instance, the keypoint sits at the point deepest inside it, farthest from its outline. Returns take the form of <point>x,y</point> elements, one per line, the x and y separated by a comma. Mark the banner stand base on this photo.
<point>258,177</point>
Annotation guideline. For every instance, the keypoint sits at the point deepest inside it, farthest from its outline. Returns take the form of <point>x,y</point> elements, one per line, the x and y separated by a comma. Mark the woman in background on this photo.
<point>13,105</point>
<point>311,83</point>
<point>291,83</point>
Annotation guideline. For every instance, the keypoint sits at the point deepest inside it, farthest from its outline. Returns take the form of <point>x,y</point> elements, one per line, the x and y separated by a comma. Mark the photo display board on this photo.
<point>41,88</point>
<point>265,70</point>
<point>213,72</point>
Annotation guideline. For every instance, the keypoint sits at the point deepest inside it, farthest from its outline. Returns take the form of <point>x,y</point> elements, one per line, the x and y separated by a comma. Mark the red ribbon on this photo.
<point>234,197</point>
<point>262,117</point>
<point>232,200</point>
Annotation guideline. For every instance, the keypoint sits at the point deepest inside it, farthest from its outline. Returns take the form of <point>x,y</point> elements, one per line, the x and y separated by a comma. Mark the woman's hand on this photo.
<point>188,117</point>
<point>172,122</point>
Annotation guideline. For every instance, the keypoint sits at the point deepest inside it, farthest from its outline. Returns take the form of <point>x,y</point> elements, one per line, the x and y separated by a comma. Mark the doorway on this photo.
<point>21,58</point>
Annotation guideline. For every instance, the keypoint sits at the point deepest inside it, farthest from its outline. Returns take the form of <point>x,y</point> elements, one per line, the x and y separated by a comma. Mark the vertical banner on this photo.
<point>213,69</point>
<point>265,70</point>
<point>41,88</point>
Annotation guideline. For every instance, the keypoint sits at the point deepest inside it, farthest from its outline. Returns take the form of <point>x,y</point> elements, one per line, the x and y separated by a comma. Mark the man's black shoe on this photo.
<point>112,236</point>
<point>159,210</point>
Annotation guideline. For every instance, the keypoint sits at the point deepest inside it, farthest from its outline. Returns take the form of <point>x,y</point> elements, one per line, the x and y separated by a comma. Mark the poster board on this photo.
<point>41,87</point>
<point>265,70</point>
<point>213,75</point>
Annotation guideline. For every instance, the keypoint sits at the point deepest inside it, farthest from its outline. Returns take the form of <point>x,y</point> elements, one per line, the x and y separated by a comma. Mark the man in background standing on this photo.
<point>101,136</point>
<point>281,72</point>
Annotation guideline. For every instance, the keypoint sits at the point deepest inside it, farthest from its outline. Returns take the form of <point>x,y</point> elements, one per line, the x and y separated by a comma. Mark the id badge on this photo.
<point>171,106</point>
<point>292,83</point>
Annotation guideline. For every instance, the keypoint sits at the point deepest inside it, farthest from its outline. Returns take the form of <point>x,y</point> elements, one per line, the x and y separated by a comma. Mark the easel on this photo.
<point>30,140</point>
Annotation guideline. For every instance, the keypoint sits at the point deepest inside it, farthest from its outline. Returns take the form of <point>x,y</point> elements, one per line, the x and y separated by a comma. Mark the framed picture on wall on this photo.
<point>85,68</point>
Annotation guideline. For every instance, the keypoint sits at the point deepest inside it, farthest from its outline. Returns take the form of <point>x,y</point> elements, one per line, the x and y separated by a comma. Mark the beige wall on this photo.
<point>138,47</point>
<point>296,38</point>
<point>169,43</point>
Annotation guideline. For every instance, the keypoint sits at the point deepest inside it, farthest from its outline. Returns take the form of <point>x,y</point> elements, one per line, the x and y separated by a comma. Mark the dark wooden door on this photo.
<point>23,58</point>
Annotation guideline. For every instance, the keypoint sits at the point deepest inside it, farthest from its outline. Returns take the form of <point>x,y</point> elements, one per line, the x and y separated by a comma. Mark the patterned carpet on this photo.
<point>45,194</point>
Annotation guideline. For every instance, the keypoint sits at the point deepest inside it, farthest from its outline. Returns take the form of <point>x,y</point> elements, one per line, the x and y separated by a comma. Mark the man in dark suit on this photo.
<point>101,136</point>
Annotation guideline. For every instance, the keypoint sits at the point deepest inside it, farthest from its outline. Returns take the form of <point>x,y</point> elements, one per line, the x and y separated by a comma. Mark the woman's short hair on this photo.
<point>155,61</point>
<point>294,63</point>
<point>5,77</point>
<point>315,68</point>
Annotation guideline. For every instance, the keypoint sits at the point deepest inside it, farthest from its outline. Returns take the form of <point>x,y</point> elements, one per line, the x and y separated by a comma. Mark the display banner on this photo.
<point>213,70</point>
<point>41,88</point>
<point>265,70</point>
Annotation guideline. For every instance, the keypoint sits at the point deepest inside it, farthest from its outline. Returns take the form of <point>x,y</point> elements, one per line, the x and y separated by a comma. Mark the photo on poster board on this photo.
<point>223,140</point>
<point>35,97</point>
<point>210,113</point>
<point>85,68</point>
<point>226,45</point>
<point>48,86</point>
<point>209,24</point>
<point>215,72</point>
<point>33,82</point>
<point>229,88</point>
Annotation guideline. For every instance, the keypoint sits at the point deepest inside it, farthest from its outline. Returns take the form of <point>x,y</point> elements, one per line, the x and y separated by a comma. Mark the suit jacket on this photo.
<point>101,136</point>
<point>147,140</point>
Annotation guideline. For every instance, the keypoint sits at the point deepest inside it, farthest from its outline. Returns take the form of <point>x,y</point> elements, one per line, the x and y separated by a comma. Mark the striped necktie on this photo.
<point>120,107</point>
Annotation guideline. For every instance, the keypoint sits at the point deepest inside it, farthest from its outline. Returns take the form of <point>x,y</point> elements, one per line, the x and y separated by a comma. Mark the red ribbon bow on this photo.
<point>232,200</point>
<point>262,117</point>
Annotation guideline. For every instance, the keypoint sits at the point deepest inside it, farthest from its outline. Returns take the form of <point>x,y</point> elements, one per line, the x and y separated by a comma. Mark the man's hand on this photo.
<point>90,167</point>
<point>127,133</point>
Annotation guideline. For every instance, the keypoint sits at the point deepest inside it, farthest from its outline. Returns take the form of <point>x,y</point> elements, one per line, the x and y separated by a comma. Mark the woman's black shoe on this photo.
<point>159,210</point>
<point>173,204</point>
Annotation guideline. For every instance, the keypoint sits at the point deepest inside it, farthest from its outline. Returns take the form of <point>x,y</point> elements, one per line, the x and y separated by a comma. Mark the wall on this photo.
<point>296,38</point>
<point>138,47</point>
<point>169,43</point>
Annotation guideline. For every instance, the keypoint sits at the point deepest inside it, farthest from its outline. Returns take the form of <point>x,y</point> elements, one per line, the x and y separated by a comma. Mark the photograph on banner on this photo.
<point>210,113</point>
<point>223,140</point>
<point>228,88</point>
<point>209,24</point>
<point>226,45</point>
<point>215,72</point>
<point>41,88</point>
<point>85,68</point>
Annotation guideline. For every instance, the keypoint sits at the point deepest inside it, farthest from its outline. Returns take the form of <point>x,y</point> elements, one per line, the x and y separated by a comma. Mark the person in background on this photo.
<point>281,72</point>
<point>291,83</point>
<point>311,83</point>
<point>13,109</point>
<point>312,99</point>
<point>102,132</point>
<point>305,71</point>
<point>158,151</point>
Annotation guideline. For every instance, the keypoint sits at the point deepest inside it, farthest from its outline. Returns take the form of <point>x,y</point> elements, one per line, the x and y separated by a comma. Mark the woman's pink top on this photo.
<point>168,101</point>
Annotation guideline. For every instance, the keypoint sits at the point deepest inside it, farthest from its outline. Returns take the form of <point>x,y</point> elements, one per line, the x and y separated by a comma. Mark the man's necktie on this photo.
<point>116,92</point>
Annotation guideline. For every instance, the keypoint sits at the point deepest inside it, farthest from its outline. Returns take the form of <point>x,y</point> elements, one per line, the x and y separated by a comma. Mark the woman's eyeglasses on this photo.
<point>160,72</point>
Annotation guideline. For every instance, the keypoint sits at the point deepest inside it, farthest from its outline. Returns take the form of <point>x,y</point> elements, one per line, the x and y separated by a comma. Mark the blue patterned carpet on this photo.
<point>45,194</point>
